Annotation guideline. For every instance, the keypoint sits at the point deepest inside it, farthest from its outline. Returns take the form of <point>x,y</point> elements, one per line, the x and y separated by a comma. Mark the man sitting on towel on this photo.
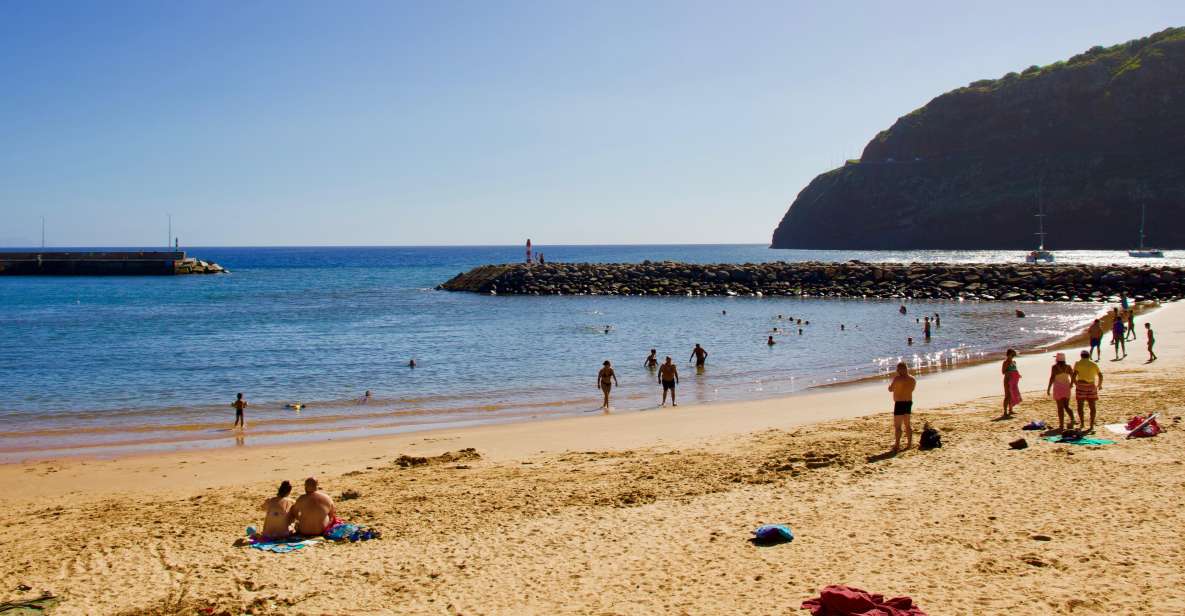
<point>314,512</point>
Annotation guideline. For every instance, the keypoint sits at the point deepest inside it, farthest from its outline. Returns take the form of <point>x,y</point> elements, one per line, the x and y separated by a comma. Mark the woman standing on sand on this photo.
<point>1011,382</point>
<point>1061,377</point>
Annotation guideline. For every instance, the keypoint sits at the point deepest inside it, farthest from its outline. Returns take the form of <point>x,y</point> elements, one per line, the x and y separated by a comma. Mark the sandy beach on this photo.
<point>649,512</point>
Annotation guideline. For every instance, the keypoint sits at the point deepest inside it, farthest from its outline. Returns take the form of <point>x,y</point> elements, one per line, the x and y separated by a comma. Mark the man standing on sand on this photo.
<point>239,404</point>
<point>699,355</point>
<point>1151,341</point>
<point>1131,324</point>
<point>314,512</point>
<point>1096,338</point>
<point>668,376</point>
<point>606,379</point>
<point>1088,380</point>
<point>902,387</point>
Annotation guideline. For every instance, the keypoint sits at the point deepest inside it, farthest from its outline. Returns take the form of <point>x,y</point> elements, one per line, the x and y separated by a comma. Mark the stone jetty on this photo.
<point>127,263</point>
<point>854,279</point>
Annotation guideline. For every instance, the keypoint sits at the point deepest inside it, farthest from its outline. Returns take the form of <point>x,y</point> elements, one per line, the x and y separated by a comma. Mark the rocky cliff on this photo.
<point>1091,138</point>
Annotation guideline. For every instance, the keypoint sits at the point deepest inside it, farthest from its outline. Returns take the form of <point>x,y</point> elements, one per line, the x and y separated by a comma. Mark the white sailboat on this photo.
<point>1141,252</point>
<point>1040,255</point>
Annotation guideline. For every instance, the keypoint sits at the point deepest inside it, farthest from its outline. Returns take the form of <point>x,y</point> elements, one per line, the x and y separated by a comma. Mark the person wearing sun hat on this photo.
<point>1061,377</point>
<point>1088,380</point>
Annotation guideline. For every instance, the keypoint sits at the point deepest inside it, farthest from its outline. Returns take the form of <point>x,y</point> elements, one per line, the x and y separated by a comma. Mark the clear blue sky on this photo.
<point>469,122</point>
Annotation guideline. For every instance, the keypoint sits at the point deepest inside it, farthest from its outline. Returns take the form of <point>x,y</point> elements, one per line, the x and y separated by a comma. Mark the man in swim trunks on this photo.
<point>652,360</point>
<point>668,376</point>
<point>926,329</point>
<point>239,404</point>
<point>1096,338</point>
<point>1151,341</point>
<point>314,512</point>
<point>902,387</point>
<point>699,355</point>
<point>606,379</point>
<point>1131,325</point>
<point>1088,380</point>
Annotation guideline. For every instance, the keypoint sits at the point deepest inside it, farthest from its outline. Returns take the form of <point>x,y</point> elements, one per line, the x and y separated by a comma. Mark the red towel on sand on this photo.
<point>845,601</point>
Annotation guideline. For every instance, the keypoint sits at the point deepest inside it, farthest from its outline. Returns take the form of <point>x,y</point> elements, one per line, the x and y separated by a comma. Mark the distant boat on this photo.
<point>1040,255</point>
<point>1141,252</point>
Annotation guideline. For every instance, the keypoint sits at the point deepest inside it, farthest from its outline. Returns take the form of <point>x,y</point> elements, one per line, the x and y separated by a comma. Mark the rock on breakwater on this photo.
<point>854,279</point>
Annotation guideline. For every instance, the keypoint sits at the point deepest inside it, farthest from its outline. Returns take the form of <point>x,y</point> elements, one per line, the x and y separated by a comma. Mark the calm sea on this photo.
<point>110,365</point>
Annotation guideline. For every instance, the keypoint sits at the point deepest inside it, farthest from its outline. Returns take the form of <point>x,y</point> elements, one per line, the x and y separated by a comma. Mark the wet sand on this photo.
<point>649,512</point>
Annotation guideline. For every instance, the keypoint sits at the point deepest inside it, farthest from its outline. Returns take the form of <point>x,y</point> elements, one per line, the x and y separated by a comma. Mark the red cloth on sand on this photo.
<point>846,601</point>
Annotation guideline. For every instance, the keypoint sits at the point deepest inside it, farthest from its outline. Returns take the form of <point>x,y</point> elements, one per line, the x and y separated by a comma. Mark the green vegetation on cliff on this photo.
<point>1093,137</point>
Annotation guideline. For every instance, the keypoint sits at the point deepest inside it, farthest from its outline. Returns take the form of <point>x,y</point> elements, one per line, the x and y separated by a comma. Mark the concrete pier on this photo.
<point>143,263</point>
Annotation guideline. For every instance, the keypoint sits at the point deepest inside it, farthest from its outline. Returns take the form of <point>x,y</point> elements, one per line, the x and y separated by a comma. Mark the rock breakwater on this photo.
<point>854,279</point>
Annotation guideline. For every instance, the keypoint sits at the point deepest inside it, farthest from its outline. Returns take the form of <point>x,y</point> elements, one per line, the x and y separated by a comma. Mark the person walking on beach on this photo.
<point>1061,378</point>
<point>902,387</point>
<point>651,360</point>
<point>606,379</point>
<point>1131,324</point>
<point>1117,337</point>
<point>1088,381</point>
<point>1151,337</point>
<point>1011,382</point>
<point>239,404</point>
<point>699,355</point>
<point>1096,338</point>
<point>668,376</point>
<point>926,329</point>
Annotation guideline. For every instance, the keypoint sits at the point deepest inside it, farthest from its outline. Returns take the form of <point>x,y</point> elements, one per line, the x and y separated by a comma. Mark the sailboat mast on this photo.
<point>1143,210</point>
<point>1040,214</point>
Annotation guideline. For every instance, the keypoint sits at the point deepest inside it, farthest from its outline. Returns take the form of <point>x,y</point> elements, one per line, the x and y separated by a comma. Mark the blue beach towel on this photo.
<point>1086,440</point>
<point>283,546</point>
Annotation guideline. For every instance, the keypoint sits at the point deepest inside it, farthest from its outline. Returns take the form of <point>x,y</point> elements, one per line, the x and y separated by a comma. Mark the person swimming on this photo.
<point>411,364</point>
<point>770,342</point>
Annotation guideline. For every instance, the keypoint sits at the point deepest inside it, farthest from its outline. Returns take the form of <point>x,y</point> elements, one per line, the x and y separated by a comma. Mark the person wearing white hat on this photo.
<point>1061,378</point>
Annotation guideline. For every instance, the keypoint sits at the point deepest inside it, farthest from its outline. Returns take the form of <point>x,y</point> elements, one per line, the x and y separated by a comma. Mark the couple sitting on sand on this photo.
<point>312,514</point>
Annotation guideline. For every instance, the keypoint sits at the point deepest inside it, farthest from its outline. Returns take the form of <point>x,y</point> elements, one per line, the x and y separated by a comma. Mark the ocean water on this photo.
<point>106,366</point>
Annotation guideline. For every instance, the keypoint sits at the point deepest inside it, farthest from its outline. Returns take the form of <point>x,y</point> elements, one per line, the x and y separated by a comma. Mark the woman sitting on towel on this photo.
<point>275,521</point>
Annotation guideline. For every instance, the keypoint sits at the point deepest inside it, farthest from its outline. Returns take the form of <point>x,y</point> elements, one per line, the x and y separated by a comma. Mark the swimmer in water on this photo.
<point>699,354</point>
<point>902,309</point>
<point>909,341</point>
<point>841,327</point>
<point>411,364</point>
<point>770,342</point>
<point>800,331</point>
<point>651,360</point>
<point>606,329</point>
<point>365,399</point>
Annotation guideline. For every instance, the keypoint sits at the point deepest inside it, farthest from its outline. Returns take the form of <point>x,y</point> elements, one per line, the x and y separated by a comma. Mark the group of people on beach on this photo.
<point>309,515</point>
<point>667,371</point>
<point>1083,379</point>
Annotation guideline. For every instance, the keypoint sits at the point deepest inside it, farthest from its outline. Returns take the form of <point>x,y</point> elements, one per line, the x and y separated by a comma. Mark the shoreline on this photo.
<point>352,427</point>
<point>505,441</point>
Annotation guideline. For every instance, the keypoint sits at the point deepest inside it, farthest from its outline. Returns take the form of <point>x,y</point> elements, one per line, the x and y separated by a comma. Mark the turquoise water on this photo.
<point>109,365</point>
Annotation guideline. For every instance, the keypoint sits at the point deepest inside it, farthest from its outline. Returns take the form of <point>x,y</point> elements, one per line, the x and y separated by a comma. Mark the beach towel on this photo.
<point>772,534</point>
<point>1085,440</point>
<point>847,601</point>
<point>1035,424</point>
<point>32,607</point>
<point>1014,388</point>
<point>283,546</point>
<point>344,531</point>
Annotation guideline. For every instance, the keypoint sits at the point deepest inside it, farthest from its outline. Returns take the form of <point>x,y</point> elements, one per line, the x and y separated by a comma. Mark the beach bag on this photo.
<point>930,439</point>
<point>772,534</point>
<point>1150,429</point>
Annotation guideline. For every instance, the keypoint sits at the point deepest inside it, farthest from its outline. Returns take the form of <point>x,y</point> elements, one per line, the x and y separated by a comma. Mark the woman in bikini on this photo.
<point>275,521</point>
<point>1061,377</point>
<point>606,379</point>
<point>1011,382</point>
